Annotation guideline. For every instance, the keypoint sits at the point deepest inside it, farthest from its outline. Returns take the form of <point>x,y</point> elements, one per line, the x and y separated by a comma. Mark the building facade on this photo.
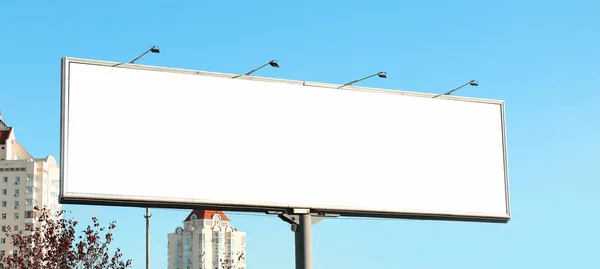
<point>25,182</point>
<point>207,241</point>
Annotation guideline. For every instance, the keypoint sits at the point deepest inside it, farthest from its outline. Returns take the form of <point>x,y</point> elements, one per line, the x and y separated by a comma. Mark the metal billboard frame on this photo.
<point>186,203</point>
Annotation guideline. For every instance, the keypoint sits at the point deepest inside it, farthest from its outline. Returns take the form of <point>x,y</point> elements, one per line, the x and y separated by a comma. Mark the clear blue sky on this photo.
<point>541,57</point>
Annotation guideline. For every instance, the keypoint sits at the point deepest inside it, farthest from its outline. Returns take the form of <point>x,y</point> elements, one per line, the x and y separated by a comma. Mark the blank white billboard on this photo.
<point>146,136</point>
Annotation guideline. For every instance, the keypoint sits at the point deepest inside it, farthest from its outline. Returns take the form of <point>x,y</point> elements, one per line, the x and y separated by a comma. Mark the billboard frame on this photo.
<point>136,201</point>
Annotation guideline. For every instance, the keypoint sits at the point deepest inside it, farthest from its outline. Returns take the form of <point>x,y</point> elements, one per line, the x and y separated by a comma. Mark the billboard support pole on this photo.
<point>303,242</point>
<point>147,216</point>
<point>301,221</point>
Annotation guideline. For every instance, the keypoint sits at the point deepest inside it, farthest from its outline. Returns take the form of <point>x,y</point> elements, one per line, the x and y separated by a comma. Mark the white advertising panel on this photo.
<point>147,136</point>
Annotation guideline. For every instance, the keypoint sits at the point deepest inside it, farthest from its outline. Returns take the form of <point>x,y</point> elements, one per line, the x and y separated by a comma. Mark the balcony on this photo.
<point>30,203</point>
<point>28,220</point>
<point>30,193</point>
<point>31,181</point>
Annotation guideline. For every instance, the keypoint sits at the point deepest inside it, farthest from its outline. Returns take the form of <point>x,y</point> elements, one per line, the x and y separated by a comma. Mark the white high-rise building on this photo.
<point>25,182</point>
<point>207,241</point>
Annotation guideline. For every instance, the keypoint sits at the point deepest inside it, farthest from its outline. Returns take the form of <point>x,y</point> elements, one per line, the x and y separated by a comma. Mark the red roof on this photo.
<point>206,214</point>
<point>4,136</point>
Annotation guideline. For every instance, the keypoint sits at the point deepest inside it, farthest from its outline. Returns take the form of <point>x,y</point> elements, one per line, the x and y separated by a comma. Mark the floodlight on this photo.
<point>379,74</point>
<point>472,83</point>
<point>272,63</point>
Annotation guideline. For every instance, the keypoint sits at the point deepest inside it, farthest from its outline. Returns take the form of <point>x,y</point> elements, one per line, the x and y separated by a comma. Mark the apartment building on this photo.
<point>208,241</point>
<point>25,182</point>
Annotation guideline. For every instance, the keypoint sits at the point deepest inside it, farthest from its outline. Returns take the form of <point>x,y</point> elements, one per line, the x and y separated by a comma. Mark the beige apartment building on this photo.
<point>208,241</point>
<point>25,182</point>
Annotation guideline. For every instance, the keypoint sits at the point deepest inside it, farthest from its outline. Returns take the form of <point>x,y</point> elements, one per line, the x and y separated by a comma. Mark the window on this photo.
<point>4,228</point>
<point>16,192</point>
<point>17,180</point>
<point>3,215</point>
<point>16,227</point>
<point>4,179</point>
<point>16,215</point>
<point>3,241</point>
<point>29,214</point>
<point>2,252</point>
<point>4,191</point>
<point>3,203</point>
<point>16,204</point>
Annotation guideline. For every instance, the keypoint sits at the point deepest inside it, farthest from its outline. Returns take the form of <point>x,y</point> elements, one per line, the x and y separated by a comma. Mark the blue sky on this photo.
<point>541,57</point>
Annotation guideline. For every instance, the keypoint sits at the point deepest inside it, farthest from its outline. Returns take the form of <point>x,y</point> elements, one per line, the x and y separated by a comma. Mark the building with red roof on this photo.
<point>206,240</point>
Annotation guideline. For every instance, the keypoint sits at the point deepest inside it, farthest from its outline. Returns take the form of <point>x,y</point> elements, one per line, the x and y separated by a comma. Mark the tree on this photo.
<point>236,261</point>
<point>52,243</point>
<point>232,263</point>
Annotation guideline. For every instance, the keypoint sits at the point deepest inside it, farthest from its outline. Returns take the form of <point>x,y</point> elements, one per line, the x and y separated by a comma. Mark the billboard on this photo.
<point>134,135</point>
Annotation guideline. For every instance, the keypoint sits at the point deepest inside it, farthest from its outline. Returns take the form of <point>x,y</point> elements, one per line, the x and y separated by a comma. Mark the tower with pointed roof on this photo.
<point>208,241</point>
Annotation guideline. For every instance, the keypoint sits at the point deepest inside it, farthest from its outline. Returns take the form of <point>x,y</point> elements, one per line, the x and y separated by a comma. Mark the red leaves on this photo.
<point>51,243</point>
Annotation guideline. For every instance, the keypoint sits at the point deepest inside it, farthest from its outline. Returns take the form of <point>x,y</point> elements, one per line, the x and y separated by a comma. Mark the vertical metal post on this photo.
<point>298,247</point>
<point>301,221</point>
<point>147,216</point>
<point>303,238</point>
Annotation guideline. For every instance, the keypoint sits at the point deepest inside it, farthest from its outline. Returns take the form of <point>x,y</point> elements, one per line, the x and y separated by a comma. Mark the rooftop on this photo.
<point>4,134</point>
<point>206,214</point>
<point>5,130</point>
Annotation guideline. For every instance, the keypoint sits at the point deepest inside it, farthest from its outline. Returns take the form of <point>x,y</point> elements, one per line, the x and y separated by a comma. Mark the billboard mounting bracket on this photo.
<point>301,221</point>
